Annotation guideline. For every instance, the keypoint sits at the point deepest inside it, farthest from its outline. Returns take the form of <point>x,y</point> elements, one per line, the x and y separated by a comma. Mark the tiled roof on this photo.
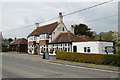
<point>67,37</point>
<point>19,41</point>
<point>44,29</point>
<point>85,38</point>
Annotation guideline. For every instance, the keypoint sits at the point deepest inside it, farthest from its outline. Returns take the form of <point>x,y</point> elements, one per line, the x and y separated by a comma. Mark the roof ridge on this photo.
<point>47,25</point>
<point>49,28</point>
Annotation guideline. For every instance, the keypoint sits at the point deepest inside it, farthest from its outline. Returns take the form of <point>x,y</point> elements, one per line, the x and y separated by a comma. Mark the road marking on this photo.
<point>84,67</point>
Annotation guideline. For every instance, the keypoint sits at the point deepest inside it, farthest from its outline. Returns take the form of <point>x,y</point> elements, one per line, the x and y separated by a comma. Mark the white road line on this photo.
<point>84,67</point>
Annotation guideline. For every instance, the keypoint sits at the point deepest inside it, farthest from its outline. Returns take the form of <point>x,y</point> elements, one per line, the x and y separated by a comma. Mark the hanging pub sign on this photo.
<point>108,49</point>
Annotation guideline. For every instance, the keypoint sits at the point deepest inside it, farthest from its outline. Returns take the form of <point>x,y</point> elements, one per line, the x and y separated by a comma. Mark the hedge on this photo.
<point>106,59</point>
<point>117,49</point>
<point>4,49</point>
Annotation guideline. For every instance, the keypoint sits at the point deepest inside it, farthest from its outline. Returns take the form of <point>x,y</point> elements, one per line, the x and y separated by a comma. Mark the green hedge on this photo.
<point>117,49</point>
<point>106,59</point>
<point>4,49</point>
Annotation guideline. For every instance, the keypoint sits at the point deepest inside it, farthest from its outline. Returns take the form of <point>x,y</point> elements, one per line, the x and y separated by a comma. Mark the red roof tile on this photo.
<point>19,41</point>
<point>85,38</point>
<point>67,37</point>
<point>44,29</point>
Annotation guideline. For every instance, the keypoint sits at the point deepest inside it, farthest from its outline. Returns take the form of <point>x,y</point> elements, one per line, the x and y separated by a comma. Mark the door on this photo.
<point>74,48</point>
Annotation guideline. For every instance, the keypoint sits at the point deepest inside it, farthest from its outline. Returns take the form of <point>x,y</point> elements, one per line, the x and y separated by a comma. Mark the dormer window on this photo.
<point>44,37</point>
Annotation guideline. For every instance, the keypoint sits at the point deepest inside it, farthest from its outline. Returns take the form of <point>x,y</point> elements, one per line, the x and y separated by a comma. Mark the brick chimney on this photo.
<point>72,29</point>
<point>60,18</point>
<point>37,25</point>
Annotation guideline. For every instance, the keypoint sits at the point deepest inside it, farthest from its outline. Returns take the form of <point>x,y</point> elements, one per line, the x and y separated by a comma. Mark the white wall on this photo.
<point>95,46</point>
<point>32,38</point>
<point>58,30</point>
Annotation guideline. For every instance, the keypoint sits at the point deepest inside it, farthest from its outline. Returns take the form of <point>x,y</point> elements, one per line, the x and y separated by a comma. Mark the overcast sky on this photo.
<point>21,14</point>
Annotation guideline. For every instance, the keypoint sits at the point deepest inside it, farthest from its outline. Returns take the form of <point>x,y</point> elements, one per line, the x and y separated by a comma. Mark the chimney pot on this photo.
<point>37,25</point>
<point>60,13</point>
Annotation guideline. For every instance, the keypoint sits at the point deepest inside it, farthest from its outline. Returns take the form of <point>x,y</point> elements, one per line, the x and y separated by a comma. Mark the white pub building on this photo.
<point>55,36</point>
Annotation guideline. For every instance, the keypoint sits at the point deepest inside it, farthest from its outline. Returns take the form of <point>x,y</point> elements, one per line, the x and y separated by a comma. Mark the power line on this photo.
<point>19,28</point>
<point>67,14</point>
<point>101,18</point>
<point>79,10</point>
<point>86,21</point>
<point>89,7</point>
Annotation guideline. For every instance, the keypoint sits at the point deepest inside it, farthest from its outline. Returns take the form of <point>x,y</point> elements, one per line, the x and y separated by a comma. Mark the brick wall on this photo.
<point>43,42</point>
<point>32,43</point>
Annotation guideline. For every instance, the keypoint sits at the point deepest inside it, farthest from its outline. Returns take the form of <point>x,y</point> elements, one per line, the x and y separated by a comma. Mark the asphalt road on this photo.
<point>28,66</point>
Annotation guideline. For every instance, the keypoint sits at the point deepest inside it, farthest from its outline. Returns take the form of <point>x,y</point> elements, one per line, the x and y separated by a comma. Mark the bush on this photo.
<point>51,51</point>
<point>35,50</point>
<point>4,49</point>
<point>107,59</point>
<point>63,50</point>
<point>42,51</point>
<point>112,59</point>
<point>56,50</point>
<point>117,49</point>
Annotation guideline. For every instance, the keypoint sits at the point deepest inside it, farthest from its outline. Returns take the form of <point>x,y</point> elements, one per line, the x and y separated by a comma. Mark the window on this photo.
<point>68,44</point>
<point>68,49</point>
<point>65,49</point>
<point>42,36</point>
<point>86,49</point>
<point>63,28</point>
<point>65,44</point>
<point>44,45</point>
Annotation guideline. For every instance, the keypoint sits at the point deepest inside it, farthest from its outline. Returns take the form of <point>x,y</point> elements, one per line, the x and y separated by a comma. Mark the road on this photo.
<point>29,66</point>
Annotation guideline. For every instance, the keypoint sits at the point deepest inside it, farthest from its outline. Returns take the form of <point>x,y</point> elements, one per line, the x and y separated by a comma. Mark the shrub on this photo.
<point>4,49</point>
<point>51,51</point>
<point>117,49</point>
<point>56,50</point>
<point>35,50</point>
<point>42,51</point>
<point>63,50</point>
<point>112,59</point>
<point>107,59</point>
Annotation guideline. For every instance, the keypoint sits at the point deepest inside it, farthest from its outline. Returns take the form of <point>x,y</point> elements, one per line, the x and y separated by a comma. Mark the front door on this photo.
<point>74,48</point>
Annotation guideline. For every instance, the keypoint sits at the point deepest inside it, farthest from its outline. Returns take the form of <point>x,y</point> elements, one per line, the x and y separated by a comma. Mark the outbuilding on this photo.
<point>94,46</point>
<point>19,45</point>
